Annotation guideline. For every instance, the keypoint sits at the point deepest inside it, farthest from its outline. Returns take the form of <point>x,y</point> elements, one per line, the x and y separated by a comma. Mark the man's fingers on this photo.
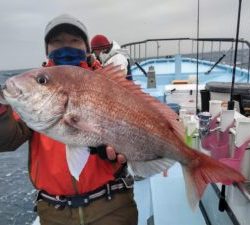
<point>121,158</point>
<point>111,154</point>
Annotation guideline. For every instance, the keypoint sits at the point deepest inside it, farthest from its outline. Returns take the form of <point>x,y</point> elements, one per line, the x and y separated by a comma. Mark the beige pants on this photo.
<point>121,210</point>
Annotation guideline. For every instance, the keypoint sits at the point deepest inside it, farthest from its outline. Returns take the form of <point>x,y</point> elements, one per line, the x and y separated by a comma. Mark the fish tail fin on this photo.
<point>204,170</point>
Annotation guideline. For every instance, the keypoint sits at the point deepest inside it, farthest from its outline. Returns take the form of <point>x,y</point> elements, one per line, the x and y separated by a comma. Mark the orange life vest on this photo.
<point>49,169</point>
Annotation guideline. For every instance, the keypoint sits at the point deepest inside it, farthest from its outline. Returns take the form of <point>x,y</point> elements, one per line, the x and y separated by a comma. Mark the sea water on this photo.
<point>16,191</point>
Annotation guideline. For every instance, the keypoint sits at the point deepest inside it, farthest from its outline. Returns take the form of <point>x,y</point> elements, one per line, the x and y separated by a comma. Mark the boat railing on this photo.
<point>210,49</point>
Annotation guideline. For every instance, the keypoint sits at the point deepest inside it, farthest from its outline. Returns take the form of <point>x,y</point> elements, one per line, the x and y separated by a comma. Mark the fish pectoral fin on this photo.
<point>74,121</point>
<point>151,167</point>
<point>77,157</point>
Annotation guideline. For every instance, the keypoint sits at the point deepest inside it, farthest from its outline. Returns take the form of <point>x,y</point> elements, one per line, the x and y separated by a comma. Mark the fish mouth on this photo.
<point>10,90</point>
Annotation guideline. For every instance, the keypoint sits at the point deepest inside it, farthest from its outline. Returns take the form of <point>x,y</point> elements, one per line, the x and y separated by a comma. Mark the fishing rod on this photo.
<point>197,57</point>
<point>143,71</point>
<point>231,102</point>
<point>138,65</point>
<point>217,62</point>
<point>222,201</point>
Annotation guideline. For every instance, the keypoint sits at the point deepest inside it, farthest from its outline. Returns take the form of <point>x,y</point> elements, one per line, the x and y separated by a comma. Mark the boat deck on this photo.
<point>168,202</point>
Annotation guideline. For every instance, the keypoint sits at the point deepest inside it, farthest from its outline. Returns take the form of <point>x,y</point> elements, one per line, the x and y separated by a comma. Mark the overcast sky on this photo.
<point>22,22</point>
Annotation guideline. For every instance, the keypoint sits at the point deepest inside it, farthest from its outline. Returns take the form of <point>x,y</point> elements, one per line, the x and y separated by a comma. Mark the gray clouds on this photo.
<point>22,22</point>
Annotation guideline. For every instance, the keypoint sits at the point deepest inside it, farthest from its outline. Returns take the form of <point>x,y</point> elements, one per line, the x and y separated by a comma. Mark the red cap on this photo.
<point>99,42</point>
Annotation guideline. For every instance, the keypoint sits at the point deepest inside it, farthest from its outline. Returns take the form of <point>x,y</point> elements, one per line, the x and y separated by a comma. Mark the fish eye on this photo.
<point>42,79</point>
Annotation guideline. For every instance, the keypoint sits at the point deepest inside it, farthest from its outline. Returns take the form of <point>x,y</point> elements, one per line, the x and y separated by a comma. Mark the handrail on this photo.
<point>157,39</point>
<point>138,52</point>
<point>182,39</point>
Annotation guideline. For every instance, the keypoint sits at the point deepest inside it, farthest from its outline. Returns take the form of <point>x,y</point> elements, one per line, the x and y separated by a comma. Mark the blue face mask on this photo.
<point>67,56</point>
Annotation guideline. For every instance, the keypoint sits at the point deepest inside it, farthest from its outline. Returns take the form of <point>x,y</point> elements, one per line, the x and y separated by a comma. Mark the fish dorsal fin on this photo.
<point>117,75</point>
<point>106,68</point>
<point>112,72</point>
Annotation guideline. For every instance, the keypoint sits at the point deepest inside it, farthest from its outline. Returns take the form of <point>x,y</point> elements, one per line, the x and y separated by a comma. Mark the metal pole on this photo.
<point>192,52</point>
<point>248,68</point>
<point>197,57</point>
<point>219,47</point>
<point>179,47</point>
<point>222,201</point>
<point>139,52</point>
<point>231,55</point>
<point>242,56</point>
<point>158,46</point>
<point>211,52</point>
<point>130,50</point>
<point>202,51</point>
<point>135,52</point>
<point>231,102</point>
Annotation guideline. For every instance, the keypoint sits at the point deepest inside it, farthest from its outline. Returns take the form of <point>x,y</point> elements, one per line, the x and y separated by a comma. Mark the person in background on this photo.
<point>104,192</point>
<point>110,52</point>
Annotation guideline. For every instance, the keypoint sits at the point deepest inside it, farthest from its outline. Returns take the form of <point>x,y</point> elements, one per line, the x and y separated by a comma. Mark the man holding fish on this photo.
<point>75,185</point>
<point>80,108</point>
